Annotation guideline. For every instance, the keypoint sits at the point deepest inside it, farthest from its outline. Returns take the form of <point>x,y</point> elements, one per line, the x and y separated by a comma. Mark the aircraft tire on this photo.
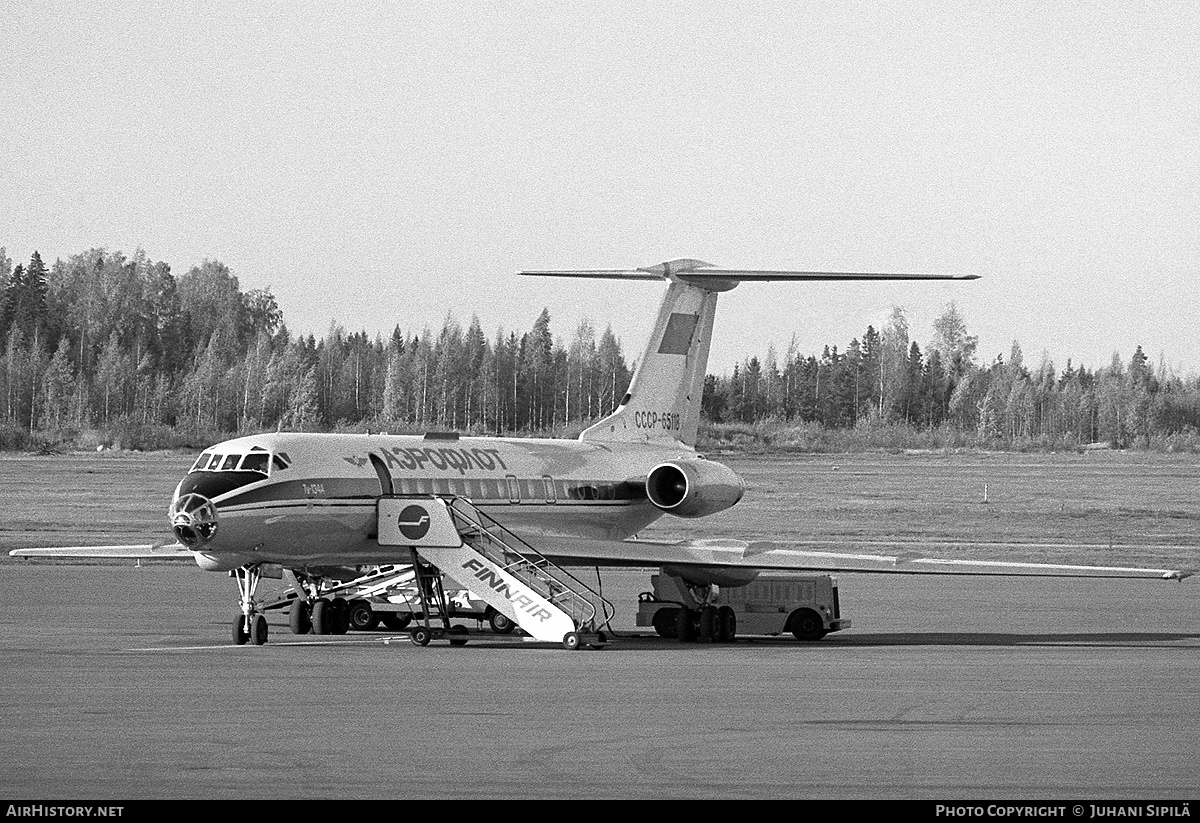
<point>665,622</point>
<point>340,623</point>
<point>420,636</point>
<point>726,624</point>
<point>807,625</point>
<point>240,635</point>
<point>322,615</point>
<point>570,641</point>
<point>360,617</point>
<point>685,626</point>
<point>461,639</point>
<point>501,623</point>
<point>706,628</point>
<point>258,629</point>
<point>300,617</point>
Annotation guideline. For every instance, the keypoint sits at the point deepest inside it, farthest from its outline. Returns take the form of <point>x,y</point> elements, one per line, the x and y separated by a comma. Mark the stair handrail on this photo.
<point>463,509</point>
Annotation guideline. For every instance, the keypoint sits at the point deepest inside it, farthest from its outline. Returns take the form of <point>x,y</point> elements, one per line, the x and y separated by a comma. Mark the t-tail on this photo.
<point>663,401</point>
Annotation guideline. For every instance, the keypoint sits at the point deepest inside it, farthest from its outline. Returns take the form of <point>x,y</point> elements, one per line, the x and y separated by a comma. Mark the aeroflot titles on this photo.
<point>444,459</point>
<point>520,601</point>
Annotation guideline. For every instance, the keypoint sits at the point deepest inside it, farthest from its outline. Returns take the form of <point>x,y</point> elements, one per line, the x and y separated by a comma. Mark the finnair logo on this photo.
<point>521,602</point>
<point>413,522</point>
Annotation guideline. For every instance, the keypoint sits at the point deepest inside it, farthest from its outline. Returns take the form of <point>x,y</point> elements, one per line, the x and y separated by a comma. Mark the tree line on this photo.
<point>887,378</point>
<point>105,341</point>
<point>102,341</point>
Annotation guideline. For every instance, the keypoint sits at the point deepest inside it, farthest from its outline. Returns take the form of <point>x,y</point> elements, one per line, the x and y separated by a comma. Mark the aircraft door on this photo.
<point>385,477</point>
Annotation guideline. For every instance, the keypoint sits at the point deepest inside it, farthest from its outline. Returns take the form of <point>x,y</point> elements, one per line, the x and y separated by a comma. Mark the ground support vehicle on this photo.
<point>381,594</point>
<point>804,604</point>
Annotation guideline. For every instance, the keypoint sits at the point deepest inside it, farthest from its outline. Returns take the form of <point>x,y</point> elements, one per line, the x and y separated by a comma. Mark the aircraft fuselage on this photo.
<point>312,498</point>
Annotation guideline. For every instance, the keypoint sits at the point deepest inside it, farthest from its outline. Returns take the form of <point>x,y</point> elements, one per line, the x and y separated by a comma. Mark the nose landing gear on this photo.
<point>251,625</point>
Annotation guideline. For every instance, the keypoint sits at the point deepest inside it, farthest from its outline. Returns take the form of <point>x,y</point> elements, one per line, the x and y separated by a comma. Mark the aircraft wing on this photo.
<point>140,551</point>
<point>861,556</point>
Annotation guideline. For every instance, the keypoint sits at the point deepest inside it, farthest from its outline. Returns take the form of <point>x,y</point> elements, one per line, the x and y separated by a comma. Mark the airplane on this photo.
<point>509,518</point>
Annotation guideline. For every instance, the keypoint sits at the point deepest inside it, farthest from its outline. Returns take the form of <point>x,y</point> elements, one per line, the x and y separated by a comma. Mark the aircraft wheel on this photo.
<point>461,639</point>
<point>396,621</point>
<point>258,629</point>
<point>501,623</point>
<point>707,625</point>
<point>571,641</point>
<point>360,617</point>
<point>807,625</point>
<point>685,626</point>
<point>299,617</point>
<point>240,635</point>
<point>666,622</point>
<point>420,636</point>
<point>341,616</point>
<point>726,624</point>
<point>322,617</point>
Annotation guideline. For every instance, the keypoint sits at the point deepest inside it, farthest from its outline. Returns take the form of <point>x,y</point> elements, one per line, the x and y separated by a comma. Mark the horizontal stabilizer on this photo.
<point>699,273</point>
<point>747,276</point>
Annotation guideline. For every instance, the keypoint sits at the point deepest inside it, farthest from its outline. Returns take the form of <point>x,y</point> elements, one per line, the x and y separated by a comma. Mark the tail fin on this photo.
<point>663,401</point>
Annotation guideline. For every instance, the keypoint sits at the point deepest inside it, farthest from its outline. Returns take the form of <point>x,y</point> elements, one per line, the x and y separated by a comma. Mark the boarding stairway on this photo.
<point>476,552</point>
<point>587,608</point>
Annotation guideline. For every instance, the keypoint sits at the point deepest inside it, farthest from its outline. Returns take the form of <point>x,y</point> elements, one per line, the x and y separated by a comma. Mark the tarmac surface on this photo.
<point>121,683</point>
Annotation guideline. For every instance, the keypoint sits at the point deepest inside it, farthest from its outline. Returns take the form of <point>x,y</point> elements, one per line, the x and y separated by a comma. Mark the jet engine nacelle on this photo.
<point>694,487</point>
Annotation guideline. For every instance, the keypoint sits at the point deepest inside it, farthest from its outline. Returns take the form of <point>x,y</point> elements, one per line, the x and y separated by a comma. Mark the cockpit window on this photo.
<point>255,462</point>
<point>258,460</point>
<point>201,462</point>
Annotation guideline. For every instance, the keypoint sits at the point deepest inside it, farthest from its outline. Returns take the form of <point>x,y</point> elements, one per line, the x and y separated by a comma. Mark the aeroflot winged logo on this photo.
<point>413,522</point>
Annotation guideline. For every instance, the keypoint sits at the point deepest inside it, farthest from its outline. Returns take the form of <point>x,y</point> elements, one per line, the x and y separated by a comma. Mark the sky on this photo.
<point>383,164</point>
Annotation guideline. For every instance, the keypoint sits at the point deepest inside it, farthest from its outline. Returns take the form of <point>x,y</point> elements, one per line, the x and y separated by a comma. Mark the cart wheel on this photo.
<point>420,636</point>
<point>258,629</point>
<point>240,635</point>
<point>807,625</point>
<point>461,631</point>
<point>571,641</point>
<point>396,621</point>
<point>501,623</point>
<point>359,616</point>
<point>665,622</point>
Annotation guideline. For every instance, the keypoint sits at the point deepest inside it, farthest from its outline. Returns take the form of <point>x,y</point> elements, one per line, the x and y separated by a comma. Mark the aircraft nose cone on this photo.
<point>193,519</point>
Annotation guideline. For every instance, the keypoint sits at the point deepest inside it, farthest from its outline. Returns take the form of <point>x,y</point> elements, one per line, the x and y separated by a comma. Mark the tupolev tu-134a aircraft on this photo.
<point>508,518</point>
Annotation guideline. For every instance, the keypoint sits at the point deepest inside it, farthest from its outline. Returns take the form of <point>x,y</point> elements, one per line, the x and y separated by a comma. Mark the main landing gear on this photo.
<point>705,624</point>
